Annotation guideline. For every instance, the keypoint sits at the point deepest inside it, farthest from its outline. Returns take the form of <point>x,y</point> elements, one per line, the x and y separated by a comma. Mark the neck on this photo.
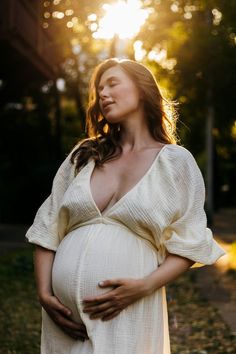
<point>135,135</point>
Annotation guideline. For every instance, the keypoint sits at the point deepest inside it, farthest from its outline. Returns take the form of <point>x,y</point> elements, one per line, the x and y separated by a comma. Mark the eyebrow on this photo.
<point>109,79</point>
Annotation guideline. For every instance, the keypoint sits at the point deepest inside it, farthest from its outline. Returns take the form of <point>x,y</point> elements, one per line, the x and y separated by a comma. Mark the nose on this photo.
<point>103,93</point>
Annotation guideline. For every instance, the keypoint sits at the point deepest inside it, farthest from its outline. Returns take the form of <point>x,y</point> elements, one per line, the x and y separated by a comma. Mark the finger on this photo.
<point>73,325</point>
<point>60,319</point>
<point>98,308</point>
<point>110,316</point>
<point>104,297</point>
<point>102,314</point>
<point>60,307</point>
<point>110,282</point>
<point>75,334</point>
<point>69,324</point>
<point>108,296</point>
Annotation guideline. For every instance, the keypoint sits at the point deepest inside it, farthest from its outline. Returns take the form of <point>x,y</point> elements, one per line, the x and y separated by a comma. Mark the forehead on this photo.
<point>113,72</point>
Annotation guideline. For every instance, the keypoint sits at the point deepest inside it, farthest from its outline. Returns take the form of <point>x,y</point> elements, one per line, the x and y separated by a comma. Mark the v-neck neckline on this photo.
<point>116,204</point>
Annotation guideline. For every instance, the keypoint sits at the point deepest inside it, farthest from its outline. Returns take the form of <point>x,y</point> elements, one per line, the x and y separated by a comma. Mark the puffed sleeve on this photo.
<point>44,230</point>
<point>188,235</point>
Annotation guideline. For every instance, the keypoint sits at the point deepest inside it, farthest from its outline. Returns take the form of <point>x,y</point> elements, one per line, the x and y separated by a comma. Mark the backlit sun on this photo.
<point>123,19</point>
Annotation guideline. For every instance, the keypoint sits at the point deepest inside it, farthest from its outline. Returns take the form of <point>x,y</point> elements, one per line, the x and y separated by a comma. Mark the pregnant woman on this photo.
<point>124,218</point>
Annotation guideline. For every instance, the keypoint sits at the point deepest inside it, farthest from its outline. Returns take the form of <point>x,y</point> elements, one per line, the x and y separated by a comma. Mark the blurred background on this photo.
<point>48,52</point>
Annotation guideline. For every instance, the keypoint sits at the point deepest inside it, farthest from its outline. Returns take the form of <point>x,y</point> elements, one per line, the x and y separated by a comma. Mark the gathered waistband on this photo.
<point>101,220</point>
<point>106,221</point>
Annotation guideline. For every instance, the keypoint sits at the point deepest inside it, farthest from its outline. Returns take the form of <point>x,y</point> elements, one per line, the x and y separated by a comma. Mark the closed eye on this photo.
<point>113,83</point>
<point>110,82</point>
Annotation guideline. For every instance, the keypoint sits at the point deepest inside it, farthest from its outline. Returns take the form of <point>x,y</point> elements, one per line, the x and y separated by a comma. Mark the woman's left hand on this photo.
<point>110,304</point>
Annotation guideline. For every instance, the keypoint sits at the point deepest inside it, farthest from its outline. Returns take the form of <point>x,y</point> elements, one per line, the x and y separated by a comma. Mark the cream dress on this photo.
<point>163,211</point>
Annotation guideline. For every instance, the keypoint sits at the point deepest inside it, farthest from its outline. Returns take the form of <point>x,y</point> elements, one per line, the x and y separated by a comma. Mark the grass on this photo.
<point>195,326</point>
<point>19,308</point>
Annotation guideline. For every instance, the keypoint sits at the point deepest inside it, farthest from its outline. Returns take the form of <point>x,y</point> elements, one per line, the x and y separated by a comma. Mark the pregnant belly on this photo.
<point>97,252</point>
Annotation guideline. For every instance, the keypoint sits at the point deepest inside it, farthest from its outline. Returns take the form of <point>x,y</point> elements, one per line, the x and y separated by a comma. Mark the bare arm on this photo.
<point>59,313</point>
<point>127,291</point>
<point>43,262</point>
<point>169,270</point>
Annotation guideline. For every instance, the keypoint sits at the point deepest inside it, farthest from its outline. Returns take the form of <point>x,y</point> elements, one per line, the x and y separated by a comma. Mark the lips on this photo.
<point>106,104</point>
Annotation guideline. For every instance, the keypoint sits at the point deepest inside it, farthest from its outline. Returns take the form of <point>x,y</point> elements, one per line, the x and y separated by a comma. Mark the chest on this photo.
<point>116,178</point>
<point>123,193</point>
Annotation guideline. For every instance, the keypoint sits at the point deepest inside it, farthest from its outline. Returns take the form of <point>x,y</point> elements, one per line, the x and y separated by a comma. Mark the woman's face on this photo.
<point>119,98</point>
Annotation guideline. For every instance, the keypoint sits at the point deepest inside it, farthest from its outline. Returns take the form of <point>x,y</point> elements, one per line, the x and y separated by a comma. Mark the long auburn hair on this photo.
<point>103,142</point>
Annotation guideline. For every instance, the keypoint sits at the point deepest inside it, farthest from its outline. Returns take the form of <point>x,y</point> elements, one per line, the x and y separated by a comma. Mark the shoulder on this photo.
<point>70,159</point>
<point>179,155</point>
<point>66,170</point>
<point>181,161</point>
<point>179,151</point>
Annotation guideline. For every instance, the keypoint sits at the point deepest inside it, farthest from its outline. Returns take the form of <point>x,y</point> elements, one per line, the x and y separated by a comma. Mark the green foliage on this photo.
<point>204,47</point>
<point>29,156</point>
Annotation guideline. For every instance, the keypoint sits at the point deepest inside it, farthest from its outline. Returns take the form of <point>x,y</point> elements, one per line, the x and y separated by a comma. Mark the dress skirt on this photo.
<point>96,252</point>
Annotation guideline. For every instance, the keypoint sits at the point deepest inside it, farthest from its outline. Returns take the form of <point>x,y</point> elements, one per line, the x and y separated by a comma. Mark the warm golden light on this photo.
<point>69,24</point>
<point>217,17</point>
<point>175,7</point>
<point>160,56</point>
<point>47,14</point>
<point>92,17</point>
<point>75,20</point>
<point>69,12</point>
<point>228,261</point>
<point>58,14</point>
<point>123,19</point>
<point>139,52</point>
<point>233,130</point>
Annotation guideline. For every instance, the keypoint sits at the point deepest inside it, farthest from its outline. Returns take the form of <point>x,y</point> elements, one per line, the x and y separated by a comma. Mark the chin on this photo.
<point>113,120</point>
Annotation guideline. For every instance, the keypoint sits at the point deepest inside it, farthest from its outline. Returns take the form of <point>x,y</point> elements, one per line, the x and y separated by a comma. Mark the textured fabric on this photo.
<point>162,212</point>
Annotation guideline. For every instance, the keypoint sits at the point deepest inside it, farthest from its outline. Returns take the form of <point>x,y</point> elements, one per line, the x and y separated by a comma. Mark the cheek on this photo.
<point>130,99</point>
<point>131,94</point>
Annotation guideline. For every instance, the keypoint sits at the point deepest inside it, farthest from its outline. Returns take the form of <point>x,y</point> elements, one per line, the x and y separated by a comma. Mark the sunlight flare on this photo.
<point>123,19</point>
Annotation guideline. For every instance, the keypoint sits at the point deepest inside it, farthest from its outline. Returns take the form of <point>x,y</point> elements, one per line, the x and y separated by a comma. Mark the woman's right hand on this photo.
<point>61,316</point>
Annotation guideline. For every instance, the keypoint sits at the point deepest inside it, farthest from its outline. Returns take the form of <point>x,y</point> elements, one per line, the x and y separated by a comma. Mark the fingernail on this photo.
<point>101,283</point>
